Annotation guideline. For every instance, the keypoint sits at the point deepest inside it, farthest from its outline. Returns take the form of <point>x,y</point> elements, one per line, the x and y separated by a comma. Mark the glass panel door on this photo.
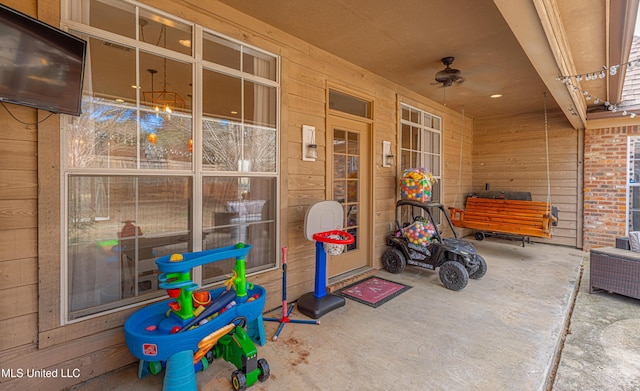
<point>346,178</point>
<point>349,186</point>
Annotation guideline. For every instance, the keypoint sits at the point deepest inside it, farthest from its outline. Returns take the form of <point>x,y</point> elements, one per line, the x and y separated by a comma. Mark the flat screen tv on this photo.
<point>40,66</point>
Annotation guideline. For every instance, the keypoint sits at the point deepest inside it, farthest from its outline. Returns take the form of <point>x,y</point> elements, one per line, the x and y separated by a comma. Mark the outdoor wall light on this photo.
<point>387,156</point>
<point>309,146</point>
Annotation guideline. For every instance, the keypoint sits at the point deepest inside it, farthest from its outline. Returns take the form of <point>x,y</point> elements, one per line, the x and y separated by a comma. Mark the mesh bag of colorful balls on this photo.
<point>420,233</point>
<point>415,184</point>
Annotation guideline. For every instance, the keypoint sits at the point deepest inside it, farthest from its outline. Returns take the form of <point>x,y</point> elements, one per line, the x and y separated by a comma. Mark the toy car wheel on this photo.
<point>482,268</point>
<point>453,275</point>
<point>155,367</point>
<point>238,380</point>
<point>263,366</point>
<point>479,236</point>
<point>393,260</point>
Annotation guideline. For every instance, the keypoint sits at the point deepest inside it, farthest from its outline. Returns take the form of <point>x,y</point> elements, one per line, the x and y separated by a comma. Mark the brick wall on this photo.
<point>605,166</point>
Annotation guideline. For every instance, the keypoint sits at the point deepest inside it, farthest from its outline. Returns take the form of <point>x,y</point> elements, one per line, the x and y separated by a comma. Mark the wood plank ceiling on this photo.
<point>513,48</point>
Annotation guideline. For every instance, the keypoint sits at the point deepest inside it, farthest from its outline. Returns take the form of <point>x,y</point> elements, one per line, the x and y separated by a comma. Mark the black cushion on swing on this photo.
<point>554,213</point>
<point>505,195</point>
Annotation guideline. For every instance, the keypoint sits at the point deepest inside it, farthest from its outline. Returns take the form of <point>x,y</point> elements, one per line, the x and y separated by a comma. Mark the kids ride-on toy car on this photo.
<point>418,242</point>
<point>237,348</point>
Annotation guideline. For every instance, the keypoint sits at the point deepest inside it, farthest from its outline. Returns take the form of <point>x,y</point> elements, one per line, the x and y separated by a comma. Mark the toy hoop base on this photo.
<point>315,307</point>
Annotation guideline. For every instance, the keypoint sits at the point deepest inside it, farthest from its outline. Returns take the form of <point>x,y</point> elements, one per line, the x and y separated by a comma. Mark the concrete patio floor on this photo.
<point>502,332</point>
<point>602,347</point>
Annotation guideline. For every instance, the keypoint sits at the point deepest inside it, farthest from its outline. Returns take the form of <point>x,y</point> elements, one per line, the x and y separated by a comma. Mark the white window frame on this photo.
<point>423,147</point>
<point>197,172</point>
<point>631,182</point>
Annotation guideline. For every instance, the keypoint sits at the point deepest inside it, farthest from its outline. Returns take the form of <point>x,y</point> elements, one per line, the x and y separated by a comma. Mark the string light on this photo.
<point>600,74</point>
<point>610,107</point>
<point>613,70</point>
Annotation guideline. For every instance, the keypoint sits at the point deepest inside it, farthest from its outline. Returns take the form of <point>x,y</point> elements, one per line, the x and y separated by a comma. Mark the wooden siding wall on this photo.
<point>457,163</point>
<point>32,335</point>
<point>18,224</point>
<point>509,154</point>
<point>18,228</point>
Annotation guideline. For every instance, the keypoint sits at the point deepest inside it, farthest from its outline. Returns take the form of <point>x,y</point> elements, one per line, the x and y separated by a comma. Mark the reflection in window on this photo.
<point>162,32</point>
<point>239,209</point>
<point>114,70</point>
<point>92,12</point>
<point>117,227</point>
<point>221,95</point>
<point>221,145</point>
<point>165,84</point>
<point>238,136</point>
<point>166,145</point>
<point>111,135</point>
<point>129,169</point>
<point>260,149</point>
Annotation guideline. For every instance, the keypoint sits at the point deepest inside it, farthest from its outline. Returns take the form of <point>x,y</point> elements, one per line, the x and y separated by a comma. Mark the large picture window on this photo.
<point>142,179</point>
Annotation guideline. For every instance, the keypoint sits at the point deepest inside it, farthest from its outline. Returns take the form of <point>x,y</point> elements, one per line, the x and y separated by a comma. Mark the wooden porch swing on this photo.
<point>514,217</point>
<point>521,218</point>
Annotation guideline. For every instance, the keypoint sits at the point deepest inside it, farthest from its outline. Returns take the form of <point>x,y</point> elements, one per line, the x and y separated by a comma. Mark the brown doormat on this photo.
<point>373,291</point>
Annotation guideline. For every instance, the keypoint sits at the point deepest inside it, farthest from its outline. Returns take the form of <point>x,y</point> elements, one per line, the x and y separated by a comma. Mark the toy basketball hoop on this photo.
<point>334,241</point>
<point>323,224</point>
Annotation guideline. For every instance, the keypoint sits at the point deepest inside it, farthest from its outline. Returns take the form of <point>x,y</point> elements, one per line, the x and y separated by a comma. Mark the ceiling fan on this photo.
<point>449,76</point>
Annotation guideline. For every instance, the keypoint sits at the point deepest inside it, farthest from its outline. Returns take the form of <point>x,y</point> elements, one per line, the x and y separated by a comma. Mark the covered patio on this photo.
<point>504,331</point>
<point>535,114</point>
